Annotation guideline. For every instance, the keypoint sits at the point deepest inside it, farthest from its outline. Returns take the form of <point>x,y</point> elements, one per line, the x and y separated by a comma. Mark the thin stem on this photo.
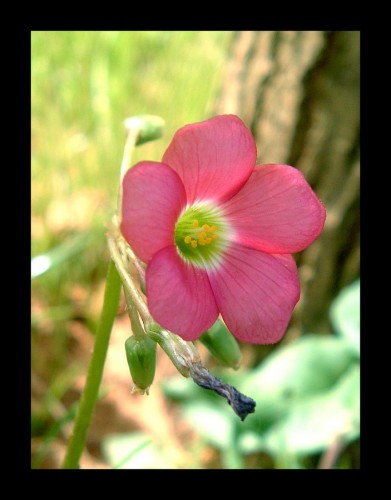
<point>182,354</point>
<point>136,296</point>
<point>137,327</point>
<point>95,370</point>
<point>135,261</point>
<point>126,160</point>
<point>330,456</point>
<point>151,128</point>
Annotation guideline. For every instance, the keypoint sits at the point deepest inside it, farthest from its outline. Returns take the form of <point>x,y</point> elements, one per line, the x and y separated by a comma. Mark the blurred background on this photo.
<point>298,91</point>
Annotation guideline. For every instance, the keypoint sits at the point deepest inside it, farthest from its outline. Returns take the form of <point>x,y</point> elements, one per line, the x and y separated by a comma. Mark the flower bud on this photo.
<point>141,356</point>
<point>150,127</point>
<point>222,345</point>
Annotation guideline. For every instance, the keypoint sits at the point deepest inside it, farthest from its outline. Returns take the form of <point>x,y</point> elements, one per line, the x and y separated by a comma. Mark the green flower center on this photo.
<point>201,234</point>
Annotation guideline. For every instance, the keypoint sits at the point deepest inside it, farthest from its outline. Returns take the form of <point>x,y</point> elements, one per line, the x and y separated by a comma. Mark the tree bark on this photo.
<point>298,91</point>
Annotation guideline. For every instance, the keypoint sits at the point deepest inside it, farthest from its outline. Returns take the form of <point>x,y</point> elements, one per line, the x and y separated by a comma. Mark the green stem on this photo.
<point>129,146</point>
<point>137,327</point>
<point>182,354</point>
<point>140,129</point>
<point>127,282</point>
<point>95,370</point>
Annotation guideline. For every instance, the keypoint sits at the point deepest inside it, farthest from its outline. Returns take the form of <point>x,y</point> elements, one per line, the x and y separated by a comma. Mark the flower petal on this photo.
<point>276,211</point>
<point>214,158</point>
<point>256,293</point>
<point>153,197</point>
<point>179,295</point>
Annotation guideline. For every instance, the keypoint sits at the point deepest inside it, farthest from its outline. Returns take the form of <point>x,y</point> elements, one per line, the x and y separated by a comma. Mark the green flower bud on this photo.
<point>149,127</point>
<point>141,356</point>
<point>222,345</point>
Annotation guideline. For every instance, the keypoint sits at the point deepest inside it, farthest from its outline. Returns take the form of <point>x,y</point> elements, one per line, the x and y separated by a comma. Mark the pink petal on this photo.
<point>256,293</point>
<point>276,211</point>
<point>179,295</point>
<point>153,197</point>
<point>214,158</point>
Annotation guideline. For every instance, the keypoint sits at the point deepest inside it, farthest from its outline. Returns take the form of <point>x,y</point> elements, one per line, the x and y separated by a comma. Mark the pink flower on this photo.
<point>216,231</point>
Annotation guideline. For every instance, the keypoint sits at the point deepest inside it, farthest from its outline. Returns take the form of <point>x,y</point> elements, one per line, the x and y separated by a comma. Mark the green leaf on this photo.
<point>211,422</point>
<point>308,365</point>
<point>316,423</point>
<point>60,254</point>
<point>345,315</point>
<point>251,442</point>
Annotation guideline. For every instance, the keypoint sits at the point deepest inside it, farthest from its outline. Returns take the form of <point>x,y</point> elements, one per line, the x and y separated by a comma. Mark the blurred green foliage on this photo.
<point>84,85</point>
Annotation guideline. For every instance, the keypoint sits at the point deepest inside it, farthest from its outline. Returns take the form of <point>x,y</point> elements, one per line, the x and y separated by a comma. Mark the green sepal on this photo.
<point>222,345</point>
<point>150,127</point>
<point>141,356</point>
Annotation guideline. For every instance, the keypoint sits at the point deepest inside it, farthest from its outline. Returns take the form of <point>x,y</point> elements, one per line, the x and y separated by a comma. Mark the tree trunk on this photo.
<point>298,91</point>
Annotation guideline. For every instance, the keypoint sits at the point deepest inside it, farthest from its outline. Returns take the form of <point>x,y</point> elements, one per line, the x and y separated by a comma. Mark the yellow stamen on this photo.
<point>200,235</point>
